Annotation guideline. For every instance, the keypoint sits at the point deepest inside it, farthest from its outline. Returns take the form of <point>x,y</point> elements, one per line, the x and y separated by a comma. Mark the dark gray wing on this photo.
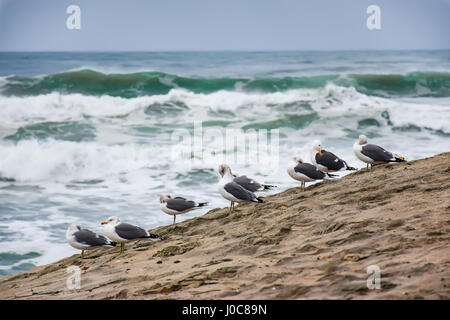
<point>330,161</point>
<point>90,238</point>
<point>376,153</point>
<point>247,183</point>
<point>180,204</point>
<point>239,192</point>
<point>309,170</point>
<point>128,231</point>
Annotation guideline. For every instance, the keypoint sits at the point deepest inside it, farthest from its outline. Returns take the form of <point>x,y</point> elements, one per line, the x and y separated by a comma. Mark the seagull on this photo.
<point>178,205</point>
<point>250,184</point>
<point>373,154</point>
<point>306,172</point>
<point>233,191</point>
<point>326,161</point>
<point>123,232</point>
<point>85,239</point>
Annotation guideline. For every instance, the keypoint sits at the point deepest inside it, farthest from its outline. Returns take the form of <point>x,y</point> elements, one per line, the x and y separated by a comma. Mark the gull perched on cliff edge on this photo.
<point>251,184</point>
<point>178,205</point>
<point>233,191</point>
<point>123,232</point>
<point>373,154</point>
<point>306,172</point>
<point>326,161</point>
<point>85,239</point>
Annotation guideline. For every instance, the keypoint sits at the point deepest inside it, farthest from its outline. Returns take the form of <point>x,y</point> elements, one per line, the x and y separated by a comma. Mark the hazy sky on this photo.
<point>40,25</point>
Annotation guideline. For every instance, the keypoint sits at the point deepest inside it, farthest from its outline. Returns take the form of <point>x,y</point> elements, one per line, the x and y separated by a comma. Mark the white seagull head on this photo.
<point>362,139</point>
<point>317,146</point>
<point>223,169</point>
<point>73,228</point>
<point>297,159</point>
<point>112,220</point>
<point>164,197</point>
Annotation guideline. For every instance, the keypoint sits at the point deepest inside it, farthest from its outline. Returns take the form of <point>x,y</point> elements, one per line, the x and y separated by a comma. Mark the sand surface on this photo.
<point>297,245</point>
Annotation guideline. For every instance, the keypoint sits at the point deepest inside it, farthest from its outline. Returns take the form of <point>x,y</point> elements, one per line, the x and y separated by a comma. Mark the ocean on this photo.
<point>88,135</point>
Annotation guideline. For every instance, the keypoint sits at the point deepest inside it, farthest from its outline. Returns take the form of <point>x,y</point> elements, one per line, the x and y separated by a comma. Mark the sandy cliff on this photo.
<point>297,245</point>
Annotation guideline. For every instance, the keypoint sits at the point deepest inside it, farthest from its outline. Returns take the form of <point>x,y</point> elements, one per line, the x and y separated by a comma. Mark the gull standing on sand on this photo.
<point>85,239</point>
<point>233,191</point>
<point>250,184</point>
<point>326,161</point>
<point>373,154</point>
<point>123,232</point>
<point>306,172</point>
<point>178,205</point>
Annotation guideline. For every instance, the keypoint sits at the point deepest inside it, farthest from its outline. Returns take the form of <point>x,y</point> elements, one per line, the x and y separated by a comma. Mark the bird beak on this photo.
<point>320,151</point>
<point>104,222</point>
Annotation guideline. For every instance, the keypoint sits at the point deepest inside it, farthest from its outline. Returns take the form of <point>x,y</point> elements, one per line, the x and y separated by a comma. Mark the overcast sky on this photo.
<point>40,25</point>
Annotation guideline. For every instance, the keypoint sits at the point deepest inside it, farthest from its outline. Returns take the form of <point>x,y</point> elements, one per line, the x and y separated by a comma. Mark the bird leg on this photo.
<point>122,247</point>
<point>174,216</point>
<point>232,207</point>
<point>82,253</point>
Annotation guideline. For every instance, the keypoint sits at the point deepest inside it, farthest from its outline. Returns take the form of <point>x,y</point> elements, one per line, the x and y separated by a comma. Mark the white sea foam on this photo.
<point>32,160</point>
<point>65,107</point>
<point>332,101</point>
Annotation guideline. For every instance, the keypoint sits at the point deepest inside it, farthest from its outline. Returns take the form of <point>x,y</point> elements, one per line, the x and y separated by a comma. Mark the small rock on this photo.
<point>122,294</point>
<point>352,257</point>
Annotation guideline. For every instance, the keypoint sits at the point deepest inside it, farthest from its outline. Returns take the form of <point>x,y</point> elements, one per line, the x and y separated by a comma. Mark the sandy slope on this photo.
<point>297,245</point>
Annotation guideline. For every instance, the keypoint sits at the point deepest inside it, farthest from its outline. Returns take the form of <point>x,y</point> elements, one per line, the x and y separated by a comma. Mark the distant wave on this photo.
<point>76,117</point>
<point>131,85</point>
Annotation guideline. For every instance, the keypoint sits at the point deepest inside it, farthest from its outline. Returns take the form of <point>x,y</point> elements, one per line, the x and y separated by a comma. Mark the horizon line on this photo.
<point>214,50</point>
